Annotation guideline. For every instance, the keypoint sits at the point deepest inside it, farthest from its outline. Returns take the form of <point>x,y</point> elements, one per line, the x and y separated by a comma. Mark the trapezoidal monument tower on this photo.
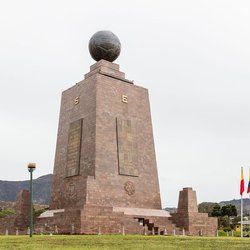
<point>105,173</point>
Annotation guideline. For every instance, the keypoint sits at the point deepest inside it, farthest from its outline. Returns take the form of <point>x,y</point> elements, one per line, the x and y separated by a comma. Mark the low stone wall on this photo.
<point>7,225</point>
<point>67,222</point>
<point>196,223</point>
<point>201,224</point>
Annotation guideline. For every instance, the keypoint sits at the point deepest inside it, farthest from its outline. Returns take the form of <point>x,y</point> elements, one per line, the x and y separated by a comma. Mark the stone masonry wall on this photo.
<point>108,188</point>
<point>69,192</point>
<point>99,104</point>
<point>23,210</point>
<point>188,217</point>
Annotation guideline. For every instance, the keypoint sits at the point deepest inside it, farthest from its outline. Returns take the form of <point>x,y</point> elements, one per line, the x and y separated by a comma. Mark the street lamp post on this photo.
<point>31,168</point>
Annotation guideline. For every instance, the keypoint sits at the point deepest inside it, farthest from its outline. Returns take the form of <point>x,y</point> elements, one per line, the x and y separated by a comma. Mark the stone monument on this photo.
<point>105,156</point>
<point>22,210</point>
<point>18,222</point>
<point>190,219</point>
<point>105,175</point>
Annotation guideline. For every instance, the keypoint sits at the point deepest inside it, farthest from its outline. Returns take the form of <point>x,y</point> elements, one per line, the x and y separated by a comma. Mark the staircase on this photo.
<point>164,226</point>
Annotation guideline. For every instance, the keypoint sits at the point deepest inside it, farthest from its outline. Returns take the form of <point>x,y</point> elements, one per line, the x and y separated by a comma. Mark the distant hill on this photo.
<point>206,207</point>
<point>171,209</point>
<point>42,187</point>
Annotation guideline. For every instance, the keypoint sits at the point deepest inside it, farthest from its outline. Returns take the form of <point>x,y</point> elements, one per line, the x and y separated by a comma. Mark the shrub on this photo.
<point>227,229</point>
<point>6,212</point>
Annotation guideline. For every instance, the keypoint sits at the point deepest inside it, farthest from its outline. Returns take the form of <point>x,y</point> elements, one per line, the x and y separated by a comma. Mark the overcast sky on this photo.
<point>193,56</point>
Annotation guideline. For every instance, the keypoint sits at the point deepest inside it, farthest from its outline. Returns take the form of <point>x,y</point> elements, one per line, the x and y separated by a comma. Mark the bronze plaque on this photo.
<point>127,148</point>
<point>74,148</point>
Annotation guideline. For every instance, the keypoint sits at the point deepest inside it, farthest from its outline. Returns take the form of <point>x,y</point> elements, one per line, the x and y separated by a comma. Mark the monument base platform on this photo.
<point>95,219</point>
<point>106,220</point>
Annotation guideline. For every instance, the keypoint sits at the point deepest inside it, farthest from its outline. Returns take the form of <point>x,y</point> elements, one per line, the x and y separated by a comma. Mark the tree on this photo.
<point>235,221</point>
<point>223,222</point>
<point>229,210</point>
<point>206,207</point>
<point>216,211</point>
<point>224,213</point>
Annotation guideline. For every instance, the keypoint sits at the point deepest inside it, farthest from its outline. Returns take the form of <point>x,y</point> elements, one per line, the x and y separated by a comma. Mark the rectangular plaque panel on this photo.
<point>127,148</point>
<point>74,148</point>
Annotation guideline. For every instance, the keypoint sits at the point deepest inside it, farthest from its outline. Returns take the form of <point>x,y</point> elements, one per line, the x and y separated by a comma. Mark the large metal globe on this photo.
<point>104,45</point>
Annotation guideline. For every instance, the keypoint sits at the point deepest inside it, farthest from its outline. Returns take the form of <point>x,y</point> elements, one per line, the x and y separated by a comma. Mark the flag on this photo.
<point>242,182</point>
<point>248,187</point>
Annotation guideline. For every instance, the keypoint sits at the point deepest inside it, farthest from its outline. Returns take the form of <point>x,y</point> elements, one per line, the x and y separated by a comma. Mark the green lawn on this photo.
<point>122,242</point>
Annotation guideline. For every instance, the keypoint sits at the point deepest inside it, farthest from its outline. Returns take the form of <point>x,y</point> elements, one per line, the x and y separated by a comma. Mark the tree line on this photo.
<point>227,214</point>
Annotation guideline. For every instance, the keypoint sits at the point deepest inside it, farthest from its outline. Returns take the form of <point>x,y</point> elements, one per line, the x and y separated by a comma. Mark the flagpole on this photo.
<point>242,188</point>
<point>241,218</point>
